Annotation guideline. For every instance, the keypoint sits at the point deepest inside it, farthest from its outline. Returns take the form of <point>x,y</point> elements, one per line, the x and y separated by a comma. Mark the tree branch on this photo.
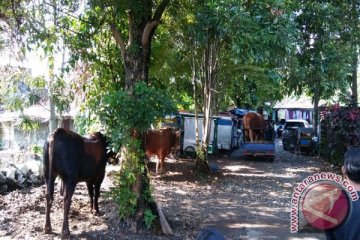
<point>160,10</point>
<point>118,39</point>
<point>151,25</point>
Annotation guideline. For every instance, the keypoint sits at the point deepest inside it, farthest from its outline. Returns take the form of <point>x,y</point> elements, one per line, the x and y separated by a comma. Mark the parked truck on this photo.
<point>263,148</point>
<point>224,134</point>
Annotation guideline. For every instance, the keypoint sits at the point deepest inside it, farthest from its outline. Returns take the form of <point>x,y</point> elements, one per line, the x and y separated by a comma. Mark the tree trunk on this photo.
<point>354,78</point>
<point>52,120</point>
<point>193,80</point>
<point>136,55</point>
<point>135,66</point>
<point>210,67</point>
<point>355,58</point>
<point>316,100</point>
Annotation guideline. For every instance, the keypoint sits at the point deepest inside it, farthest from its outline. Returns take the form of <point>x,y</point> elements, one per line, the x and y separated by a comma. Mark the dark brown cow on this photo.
<point>254,125</point>
<point>159,142</point>
<point>74,159</point>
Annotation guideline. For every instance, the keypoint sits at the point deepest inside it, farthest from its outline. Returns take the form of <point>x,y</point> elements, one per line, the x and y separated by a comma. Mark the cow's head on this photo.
<point>111,156</point>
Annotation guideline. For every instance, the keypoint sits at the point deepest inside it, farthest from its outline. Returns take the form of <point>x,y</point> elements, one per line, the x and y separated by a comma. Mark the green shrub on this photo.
<point>149,217</point>
<point>125,118</point>
<point>340,128</point>
<point>36,150</point>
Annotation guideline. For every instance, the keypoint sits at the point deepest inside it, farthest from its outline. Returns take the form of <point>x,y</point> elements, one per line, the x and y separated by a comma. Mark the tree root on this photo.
<point>202,167</point>
<point>140,186</point>
<point>165,227</point>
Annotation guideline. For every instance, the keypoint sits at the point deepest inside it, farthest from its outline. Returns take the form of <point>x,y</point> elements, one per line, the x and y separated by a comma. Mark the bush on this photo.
<point>36,150</point>
<point>125,117</point>
<point>340,129</point>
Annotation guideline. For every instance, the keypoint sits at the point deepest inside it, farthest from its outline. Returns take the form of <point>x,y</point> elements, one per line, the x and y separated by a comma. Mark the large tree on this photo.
<point>325,55</point>
<point>110,42</point>
<point>229,44</point>
<point>114,40</point>
<point>351,32</point>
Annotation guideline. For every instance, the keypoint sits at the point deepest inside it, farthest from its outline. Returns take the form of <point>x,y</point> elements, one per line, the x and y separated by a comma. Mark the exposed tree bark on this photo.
<point>355,46</point>
<point>136,55</point>
<point>136,52</point>
<point>165,227</point>
<point>52,120</point>
<point>210,68</point>
<point>354,78</point>
<point>316,100</point>
<point>193,80</point>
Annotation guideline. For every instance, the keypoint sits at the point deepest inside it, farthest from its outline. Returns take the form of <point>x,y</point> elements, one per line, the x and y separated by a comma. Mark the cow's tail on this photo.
<point>49,166</point>
<point>51,169</point>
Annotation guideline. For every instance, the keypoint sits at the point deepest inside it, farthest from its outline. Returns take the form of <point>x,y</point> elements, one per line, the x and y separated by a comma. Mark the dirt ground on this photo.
<point>244,200</point>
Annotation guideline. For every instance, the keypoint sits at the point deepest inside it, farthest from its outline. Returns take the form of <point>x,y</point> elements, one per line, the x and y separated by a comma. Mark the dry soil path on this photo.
<point>245,200</point>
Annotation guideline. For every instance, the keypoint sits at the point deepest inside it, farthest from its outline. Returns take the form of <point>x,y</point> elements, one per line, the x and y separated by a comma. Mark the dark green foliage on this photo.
<point>125,117</point>
<point>62,95</point>
<point>324,55</point>
<point>132,173</point>
<point>37,150</point>
<point>340,129</point>
<point>149,217</point>
<point>121,112</point>
<point>27,124</point>
<point>123,196</point>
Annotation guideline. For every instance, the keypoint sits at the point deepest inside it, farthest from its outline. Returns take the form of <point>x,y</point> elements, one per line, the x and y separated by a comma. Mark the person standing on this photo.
<point>350,229</point>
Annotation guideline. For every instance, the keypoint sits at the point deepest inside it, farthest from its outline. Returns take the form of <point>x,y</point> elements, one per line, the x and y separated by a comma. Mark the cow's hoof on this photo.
<point>96,213</point>
<point>48,230</point>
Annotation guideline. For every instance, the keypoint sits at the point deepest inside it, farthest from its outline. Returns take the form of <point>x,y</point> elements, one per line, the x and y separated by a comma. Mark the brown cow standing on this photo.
<point>74,159</point>
<point>159,142</point>
<point>254,125</point>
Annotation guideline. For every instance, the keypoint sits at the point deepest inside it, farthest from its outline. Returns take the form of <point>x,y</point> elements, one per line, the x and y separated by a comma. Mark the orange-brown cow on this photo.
<point>254,125</point>
<point>159,142</point>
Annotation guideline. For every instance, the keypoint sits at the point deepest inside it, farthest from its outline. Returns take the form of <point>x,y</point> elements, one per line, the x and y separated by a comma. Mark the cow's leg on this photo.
<point>90,188</point>
<point>257,135</point>
<point>49,200</point>
<point>247,135</point>
<point>162,159</point>
<point>251,135</point>
<point>157,164</point>
<point>69,191</point>
<point>97,194</point>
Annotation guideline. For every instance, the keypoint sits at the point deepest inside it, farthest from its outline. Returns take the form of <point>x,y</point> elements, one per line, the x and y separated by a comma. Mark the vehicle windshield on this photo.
<point>294,124</point>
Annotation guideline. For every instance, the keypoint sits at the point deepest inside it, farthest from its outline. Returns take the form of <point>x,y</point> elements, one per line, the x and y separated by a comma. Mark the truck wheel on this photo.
<point>190,152</point>
<point>271,159</point>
